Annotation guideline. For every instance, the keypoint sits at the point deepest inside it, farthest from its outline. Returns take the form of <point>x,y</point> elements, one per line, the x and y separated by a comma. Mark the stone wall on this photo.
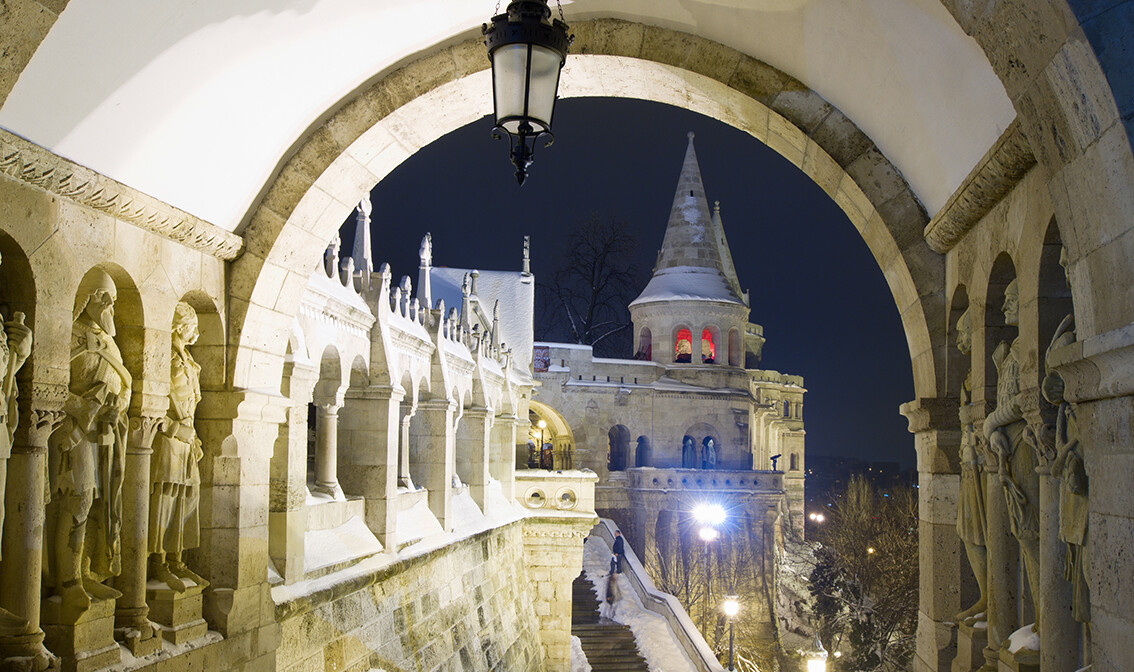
<point>464,607</point>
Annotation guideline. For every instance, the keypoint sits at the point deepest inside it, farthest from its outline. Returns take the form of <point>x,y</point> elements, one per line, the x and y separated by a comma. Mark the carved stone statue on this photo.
<point>15,346</point>
<point>174,475</point>
<point>1074,489</point>
<point>87,457</point>
<point>709,455</point>
<point>970,499</point>
<point>688,453</point>
<point>1004,430</point>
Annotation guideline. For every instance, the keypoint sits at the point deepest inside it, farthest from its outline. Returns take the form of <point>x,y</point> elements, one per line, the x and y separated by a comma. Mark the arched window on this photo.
<point>683,347</point>
<point>619,447</point>
<point>734,347</point>
<point>708,347</point>
<point>786,408</point>
<point>642,457</point>
<point>645,345</point>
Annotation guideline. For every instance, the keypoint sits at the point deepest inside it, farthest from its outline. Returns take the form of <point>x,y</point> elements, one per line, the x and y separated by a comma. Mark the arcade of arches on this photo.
<point>160,203</point>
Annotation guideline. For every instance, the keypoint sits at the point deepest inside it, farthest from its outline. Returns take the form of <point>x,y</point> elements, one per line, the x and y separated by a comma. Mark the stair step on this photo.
<point>610,646</point>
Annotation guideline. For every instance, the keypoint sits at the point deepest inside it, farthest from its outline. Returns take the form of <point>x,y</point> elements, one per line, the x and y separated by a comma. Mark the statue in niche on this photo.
<point>688,453</point>
<point>1069,468</point>
<point>970,500</point>
<point>709,454</point>
<point>175,479</point>
<point>87,457</point>
<point>15,347</point>
<point>1004,429</point>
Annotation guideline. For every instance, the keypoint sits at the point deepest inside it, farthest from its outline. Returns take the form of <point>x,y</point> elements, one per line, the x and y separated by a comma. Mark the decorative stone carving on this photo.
<point>970,499</point>
<point>15,346</point>
<point>1074,489</point>
<point>87,458</point>
<point>1005,430</point>
<point>175,479</point>
<point>35,165</point>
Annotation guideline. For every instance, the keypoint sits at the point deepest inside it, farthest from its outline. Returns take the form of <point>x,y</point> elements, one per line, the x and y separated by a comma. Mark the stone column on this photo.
<point>502,456</point>
<point>22,568</point>
<point>287,505</point>
<point>132,626</point>
<point>406,413</point>
<point>1059,633</point>
<point>935,426</point>
<point>327,447</point>
<point>372,420</point>
<point>473,446</point>
<point>1003,568</point>
<point>431,450</point>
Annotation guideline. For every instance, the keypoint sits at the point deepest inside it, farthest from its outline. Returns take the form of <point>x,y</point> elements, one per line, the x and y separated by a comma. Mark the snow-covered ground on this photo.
<point>578,658</point>
<point>655,640</point>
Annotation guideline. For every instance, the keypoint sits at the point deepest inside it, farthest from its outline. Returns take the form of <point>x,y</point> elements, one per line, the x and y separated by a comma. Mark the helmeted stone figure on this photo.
<point>970,499</point>
<point>87,456</point>
<point>15,347</point>
<point>688,453</point>
<point>1004,430</point>
<point>174,475</point>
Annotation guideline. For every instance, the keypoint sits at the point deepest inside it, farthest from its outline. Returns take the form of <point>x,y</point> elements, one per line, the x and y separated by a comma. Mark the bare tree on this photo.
<point>594,282</point>
<point>866,581</point>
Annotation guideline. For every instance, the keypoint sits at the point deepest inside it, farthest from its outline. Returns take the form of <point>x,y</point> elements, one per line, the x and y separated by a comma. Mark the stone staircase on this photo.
<point>610,646</point>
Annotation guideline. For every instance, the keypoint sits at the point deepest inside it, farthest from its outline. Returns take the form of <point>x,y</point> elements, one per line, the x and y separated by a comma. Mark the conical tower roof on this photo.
<point>691,262</point>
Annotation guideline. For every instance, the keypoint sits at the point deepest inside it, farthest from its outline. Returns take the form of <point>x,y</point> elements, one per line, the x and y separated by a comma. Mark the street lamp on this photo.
<point>527,49</point>
<point>816,657</point>
<point>731,608</point>
<point>709,514</point>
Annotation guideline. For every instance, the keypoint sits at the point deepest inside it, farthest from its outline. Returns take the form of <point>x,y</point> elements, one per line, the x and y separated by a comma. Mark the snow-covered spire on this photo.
<point>425,257</point>
<point>726,255</point>
<point>363,261</point>
<point>527,268</point>
<point>496,326</point>
<point>691,262</point>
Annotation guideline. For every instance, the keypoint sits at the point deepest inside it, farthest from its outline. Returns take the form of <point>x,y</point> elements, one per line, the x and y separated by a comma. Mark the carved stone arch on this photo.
<point>209,350</point>
<point>359,373</point>
<point>995,331</point>
<point>958,364</point>
<point>317,188</point>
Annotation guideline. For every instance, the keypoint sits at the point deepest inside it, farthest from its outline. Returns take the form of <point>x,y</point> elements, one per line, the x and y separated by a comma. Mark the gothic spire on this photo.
<point>691,263</point>
<point>726,255</point>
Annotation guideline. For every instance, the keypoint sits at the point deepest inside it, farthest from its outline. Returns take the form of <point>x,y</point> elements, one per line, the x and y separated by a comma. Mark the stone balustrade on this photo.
<point>650,478</point>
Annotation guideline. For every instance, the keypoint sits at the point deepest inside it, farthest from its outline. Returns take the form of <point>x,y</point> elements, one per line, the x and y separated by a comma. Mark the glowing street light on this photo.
<point>870,550</point>
<point>816,657</point>
<point>731,608</point>
<point>708,534</point>
<point>709,514</point>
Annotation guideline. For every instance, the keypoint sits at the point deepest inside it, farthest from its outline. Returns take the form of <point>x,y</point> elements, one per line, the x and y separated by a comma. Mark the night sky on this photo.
<point>814,286</point>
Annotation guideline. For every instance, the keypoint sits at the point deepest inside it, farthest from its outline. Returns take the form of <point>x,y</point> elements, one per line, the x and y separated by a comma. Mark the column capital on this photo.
<point>35,428</point>
<point>143,430</point>
<point>929,414</point>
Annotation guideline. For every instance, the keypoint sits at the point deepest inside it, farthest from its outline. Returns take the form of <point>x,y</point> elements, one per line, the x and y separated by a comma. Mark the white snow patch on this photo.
<point>1024,638</point>
<point>578,658</point>
<point>691,212</point>
<point>656,641</point>
<point>687,283</point>
<point>466,514</point>
<point>417,522</point>
<point>346,542</point>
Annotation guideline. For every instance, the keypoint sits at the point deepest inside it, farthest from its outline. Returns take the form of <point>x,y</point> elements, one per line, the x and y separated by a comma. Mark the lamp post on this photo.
<point>527,49</point>
<point>709,516</point>
<point>542,424</point>
<point>731,609</point>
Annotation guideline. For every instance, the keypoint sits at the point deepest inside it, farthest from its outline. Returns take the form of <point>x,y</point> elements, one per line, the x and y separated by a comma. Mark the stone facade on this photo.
<point>1064,67</point>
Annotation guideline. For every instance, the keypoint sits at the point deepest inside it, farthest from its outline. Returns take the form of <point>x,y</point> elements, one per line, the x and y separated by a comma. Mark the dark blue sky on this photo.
<point>825,307</point>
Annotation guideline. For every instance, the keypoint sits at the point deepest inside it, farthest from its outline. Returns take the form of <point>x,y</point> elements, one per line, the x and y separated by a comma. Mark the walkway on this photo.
<point>609,646</point>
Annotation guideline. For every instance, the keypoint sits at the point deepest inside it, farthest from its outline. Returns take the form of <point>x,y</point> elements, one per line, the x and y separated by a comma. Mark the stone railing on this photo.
<point>557,493</point>
<point>663,604</point>
<point>651,478</point>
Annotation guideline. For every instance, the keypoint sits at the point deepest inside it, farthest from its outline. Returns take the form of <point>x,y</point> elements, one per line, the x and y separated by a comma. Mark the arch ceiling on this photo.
<point>197,102</point>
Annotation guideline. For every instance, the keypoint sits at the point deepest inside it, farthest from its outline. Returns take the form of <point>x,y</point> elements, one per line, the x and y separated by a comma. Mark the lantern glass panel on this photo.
<point>544,82</point>
<point>509,78</point>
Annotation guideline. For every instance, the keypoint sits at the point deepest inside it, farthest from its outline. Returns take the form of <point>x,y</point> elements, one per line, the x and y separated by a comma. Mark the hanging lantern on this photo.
<point>527,49</point>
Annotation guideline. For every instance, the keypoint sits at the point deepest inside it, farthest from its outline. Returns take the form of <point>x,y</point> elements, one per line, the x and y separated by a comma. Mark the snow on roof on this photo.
<point>514,290</point>
<point>688,283</point>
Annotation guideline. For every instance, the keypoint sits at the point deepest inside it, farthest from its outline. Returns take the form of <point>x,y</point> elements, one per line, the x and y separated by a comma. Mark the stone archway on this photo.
<point>377,129</point>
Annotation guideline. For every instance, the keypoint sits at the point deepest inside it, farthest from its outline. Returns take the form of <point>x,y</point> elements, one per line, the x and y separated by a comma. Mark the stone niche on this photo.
<point>464,606</point>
